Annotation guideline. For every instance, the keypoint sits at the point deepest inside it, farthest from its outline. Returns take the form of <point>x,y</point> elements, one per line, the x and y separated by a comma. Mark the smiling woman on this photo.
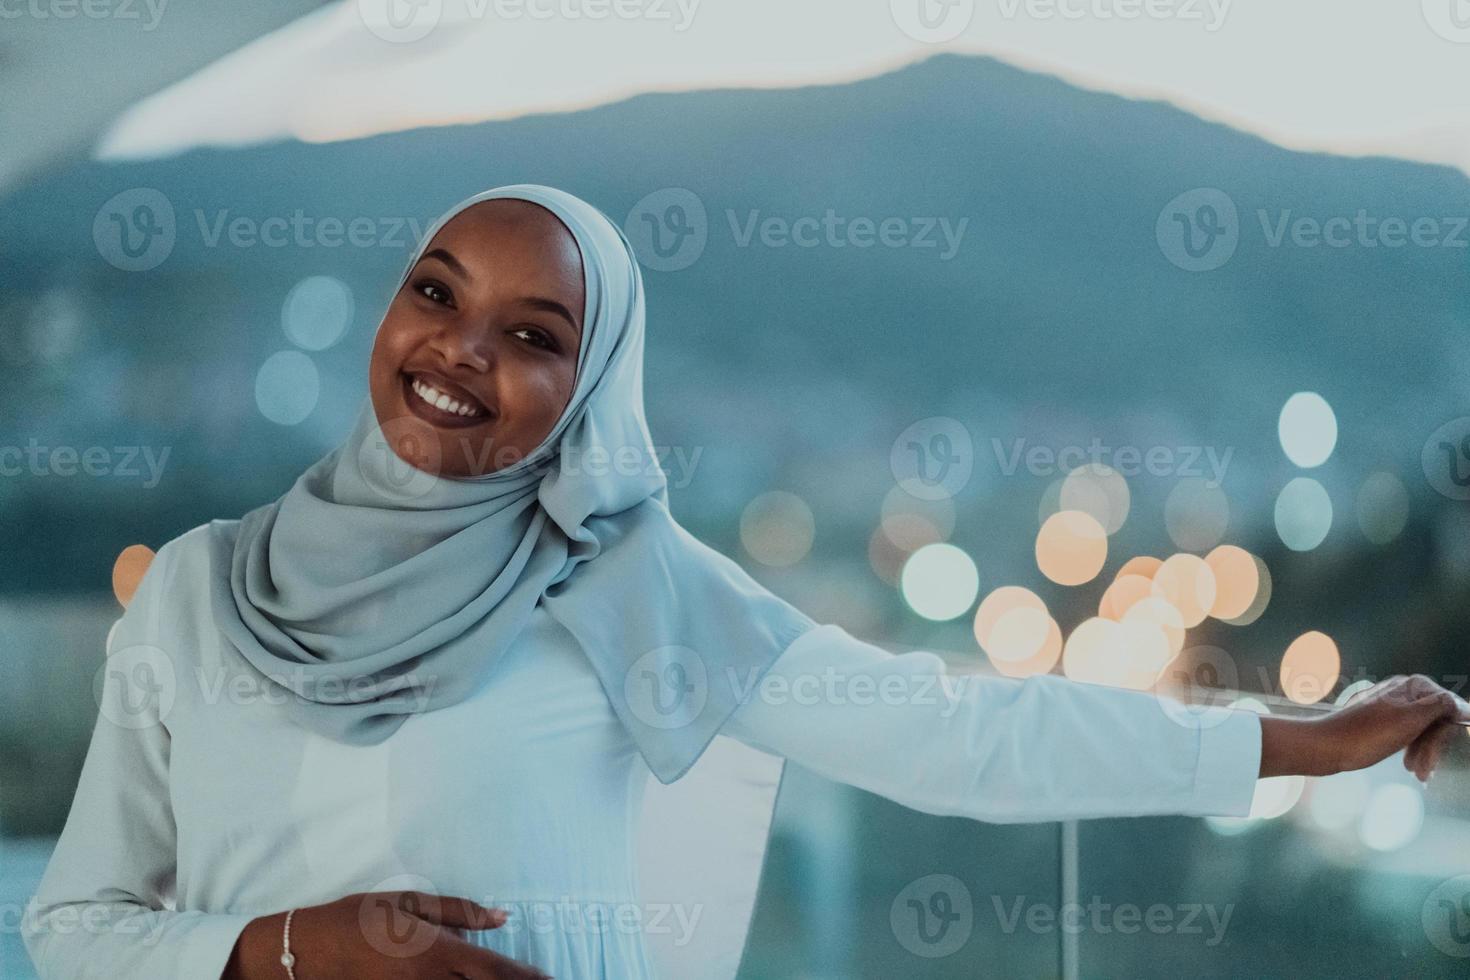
<point>477,356</point>
<point>454,689</point>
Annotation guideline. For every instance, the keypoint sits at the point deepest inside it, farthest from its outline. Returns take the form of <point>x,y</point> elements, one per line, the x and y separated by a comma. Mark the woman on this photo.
<point>435,675</point>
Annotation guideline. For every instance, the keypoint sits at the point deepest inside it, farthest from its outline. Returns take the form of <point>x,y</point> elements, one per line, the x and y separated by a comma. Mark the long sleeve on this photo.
<point>991,748</point>
<point>101,909</point>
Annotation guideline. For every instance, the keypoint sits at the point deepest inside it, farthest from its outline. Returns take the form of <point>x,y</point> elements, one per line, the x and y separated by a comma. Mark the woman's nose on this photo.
<point>465,344</point>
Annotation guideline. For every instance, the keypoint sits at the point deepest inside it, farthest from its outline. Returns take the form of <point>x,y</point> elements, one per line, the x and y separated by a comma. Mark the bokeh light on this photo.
<point>1196,514</point>
<point>1392,818</point>
<point>1071,547</point>
<point>884,557</point>
<point>127,571</point>
<point>1018,634</point>
<point>1237,581</point>
<point>1310,668</point>
<point>939,582</point>
<point>1163,616</point>
<point>1308,429</point>
<point>1262,598</point>
<point>911,522</point>
<point>317,312</point>
<point>1125,592</point>
<point>1383,507</point>
<point>1097,490</point>
<point>1187,583</point>
<point>1144,565</point>
<point>777,528</point>
<point>1303,514</point>
<point>1128,654</point>
<point>1338,800</point>
<point>287,387</point>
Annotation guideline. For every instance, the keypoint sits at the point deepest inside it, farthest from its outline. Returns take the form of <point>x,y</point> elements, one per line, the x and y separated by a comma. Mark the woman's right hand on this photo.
<point>400,935</point>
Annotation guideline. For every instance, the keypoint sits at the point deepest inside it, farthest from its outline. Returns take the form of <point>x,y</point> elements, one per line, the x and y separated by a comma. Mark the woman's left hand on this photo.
<point>1412,713</point>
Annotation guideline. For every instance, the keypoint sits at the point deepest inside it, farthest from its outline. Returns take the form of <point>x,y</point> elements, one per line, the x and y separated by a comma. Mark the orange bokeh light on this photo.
<point>1237,581</point>
<point>128,570</point>
<point>1310,668</point>
<point>1071,547</point>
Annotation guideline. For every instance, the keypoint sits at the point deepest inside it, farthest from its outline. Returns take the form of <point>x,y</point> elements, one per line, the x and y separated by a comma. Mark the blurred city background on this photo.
<point>1131,347</point>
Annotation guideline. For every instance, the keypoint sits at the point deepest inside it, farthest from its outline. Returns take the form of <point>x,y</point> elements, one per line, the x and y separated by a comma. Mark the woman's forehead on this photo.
<point>505,219</point>
<point>515,245</point>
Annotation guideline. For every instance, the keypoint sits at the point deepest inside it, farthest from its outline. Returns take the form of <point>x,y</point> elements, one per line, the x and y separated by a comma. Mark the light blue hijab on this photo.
<point>372,590</point>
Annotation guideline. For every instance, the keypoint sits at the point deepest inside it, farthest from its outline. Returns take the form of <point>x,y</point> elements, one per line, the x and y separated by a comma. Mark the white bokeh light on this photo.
<point>1393,817</point>
<point>940,582</point>
<point>1308,429</point>
<point>777,528</point>
<point>287,387</point>
<point>317,312</point>
<point>1303,514</point>
<point>1338,800</point>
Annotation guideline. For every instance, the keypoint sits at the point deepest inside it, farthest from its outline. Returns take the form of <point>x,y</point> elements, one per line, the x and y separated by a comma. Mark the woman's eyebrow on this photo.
<point>535,302</point>
<point>552,306</point>
<point>449,260</point>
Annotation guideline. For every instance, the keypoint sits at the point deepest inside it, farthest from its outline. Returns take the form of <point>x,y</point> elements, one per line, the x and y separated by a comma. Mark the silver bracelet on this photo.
<point>288,959</point>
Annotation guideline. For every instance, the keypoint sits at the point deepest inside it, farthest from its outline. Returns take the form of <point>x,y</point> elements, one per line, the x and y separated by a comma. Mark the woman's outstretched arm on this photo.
<point>1045,748</point>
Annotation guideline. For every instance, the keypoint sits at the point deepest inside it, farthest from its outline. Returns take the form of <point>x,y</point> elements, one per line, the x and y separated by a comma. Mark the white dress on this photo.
<point>201,806</point>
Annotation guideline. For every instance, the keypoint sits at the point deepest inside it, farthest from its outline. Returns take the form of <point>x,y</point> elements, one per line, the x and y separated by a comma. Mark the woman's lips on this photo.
<point>418,386</point>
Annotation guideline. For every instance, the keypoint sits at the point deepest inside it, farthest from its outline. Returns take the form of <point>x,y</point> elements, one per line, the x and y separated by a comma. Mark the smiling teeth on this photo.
<point>442,401</point>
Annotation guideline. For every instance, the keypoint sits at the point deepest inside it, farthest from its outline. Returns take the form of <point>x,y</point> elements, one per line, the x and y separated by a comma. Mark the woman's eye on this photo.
<point>535,337</point>
<point>435,293</point>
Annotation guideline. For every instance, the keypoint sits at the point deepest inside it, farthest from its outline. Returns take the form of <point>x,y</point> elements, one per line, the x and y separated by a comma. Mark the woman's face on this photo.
<point>477,356</point>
